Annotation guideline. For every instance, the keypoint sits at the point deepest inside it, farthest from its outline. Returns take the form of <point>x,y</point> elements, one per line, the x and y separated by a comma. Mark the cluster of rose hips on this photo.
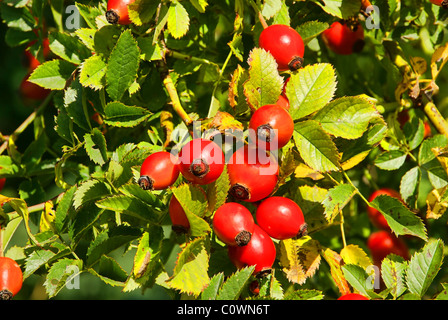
<point>252,171</point>
<point>201,162</point>
<point>11,278</point>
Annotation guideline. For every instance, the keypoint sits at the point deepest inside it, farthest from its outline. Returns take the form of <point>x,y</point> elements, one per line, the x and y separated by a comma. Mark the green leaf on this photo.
<point>190,273</point>
<point>271,8</point>
<point>217,191</point>
<point>109,240</point>
<point>122,66</point>
<point>425,154</point>
<point>90,190</point>
<point>150,51</point>
<point>89,13</point>
<point>67,47</point>
<point>305,294</point>
<point>200,5</point>
<point>211,292</point>
<point>60,274</point>
<point>83,220</point>
<point>424,267</point>
<point>346,117</point>
<point>148,252</point>
<point>427,160</point>
<point>342,9</point>
<point>87,36</point>
<point>142,11</point>
<point>35,260</point>
<point>393,270</point>
<point>311,29</point>
<point>193,200</point>
<point>414,132</point>
<point>52,74</point>
<point>316,148</point>
<point>310,89</point>
<point>264,85</point>
<point>105,39</point>
<point>17,18</point>
<point>234,285</point>
<point>236,45</point>
<point>443,295</point>
<point>178,20</point>
<point>409,184</point>
<point>110,272</point>
<point>95,145</point>
<point>391,160</point>
<point>75,105</point>
<point>399,218</point>
<point>131,206</point>
<point>120,115</point>
<point>336,199</point>
<point>63,209</point>
<point>93,71</point>
<point>358,278</point>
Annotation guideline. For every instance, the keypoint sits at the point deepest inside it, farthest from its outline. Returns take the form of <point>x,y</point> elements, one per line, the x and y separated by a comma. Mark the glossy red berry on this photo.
<point>271,127</point>
<point>285,44</point>
<point>117,12</point>
<point>201,161</point>
<point>281,218</point>
<point>233,224</point>
<point>376,217</point>
<point>383,243</point>
<point>344,39</point>
<point>158,171</point>
<point>252,173</point>
<point>353,296</point>
<point>2,183</point>
<point>259,252</point>
<point>179,220</point>
<point>11,278</point>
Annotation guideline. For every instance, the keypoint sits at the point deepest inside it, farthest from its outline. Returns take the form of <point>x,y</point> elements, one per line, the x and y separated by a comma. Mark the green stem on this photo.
<point>344,241</point>
<point>186,57</point>
<point>356,189</point>
<point>172,92</point>
<point>211,110</point>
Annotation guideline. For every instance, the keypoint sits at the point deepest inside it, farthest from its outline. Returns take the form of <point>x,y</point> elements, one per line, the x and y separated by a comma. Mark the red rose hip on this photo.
<point>259,252</point>
<point>252,173</point>
<point>281,218</point>
<point>383,243</point>
<point>11,278</point>
<point>201,161</point>
<point>285,44</point>
<point>353,296</point>
<point>344,39</point>
<point>233,224</point>
<point>117,12</point>
<point>179,220</point>
<point>272,125</point>
<point>158,171</point>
